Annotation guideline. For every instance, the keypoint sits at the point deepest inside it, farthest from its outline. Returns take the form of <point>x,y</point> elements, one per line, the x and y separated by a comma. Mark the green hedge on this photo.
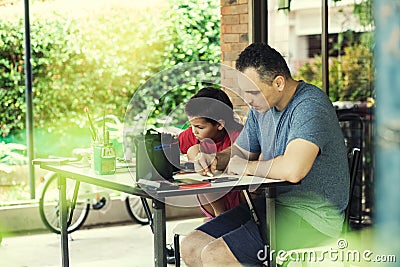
<point>50,50</point>
<point>351,76</point>
<point>99,62</point>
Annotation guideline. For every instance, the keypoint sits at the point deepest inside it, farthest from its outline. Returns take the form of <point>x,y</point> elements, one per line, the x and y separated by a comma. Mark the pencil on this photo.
<point>92,129</point>
<point>210,174</point>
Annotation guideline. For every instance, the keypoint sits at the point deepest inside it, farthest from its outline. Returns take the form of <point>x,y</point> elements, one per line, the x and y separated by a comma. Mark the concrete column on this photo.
<point>387,178</point>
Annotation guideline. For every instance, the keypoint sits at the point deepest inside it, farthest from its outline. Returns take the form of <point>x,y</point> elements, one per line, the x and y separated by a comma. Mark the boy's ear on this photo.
<point>221,124</point>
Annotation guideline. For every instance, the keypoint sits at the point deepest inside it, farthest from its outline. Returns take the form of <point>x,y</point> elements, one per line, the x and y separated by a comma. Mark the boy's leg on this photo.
<point>205,206</point>
<point>217,202</point>
<point>214,204</point>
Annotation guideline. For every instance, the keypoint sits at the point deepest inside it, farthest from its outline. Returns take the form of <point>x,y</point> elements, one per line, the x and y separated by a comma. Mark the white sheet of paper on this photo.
<point>244,178</point>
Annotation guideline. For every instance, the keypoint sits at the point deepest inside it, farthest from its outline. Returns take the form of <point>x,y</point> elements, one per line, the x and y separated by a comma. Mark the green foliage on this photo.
<point>99,61</point>
<point>11,75</point>
<point>195,30</point>
<point>50,52</point>
<point>12,154</point>
<point>196,37</point>
<point>12,159</point>
<point>350,75</point>
<point>358,72</point>
<point>364,10</point>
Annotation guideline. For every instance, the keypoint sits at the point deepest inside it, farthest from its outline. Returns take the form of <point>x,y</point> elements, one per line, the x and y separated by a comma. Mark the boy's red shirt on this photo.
<point>187,139</point>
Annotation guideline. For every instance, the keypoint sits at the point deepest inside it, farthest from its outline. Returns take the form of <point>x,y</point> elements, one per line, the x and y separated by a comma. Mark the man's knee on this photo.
<point>192,245</point>
<point>217,253</point>
<point>188,247</point>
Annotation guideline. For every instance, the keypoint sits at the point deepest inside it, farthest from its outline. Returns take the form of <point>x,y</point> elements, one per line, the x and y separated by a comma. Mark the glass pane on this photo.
<point>297,34</point>
<point>92,57</point>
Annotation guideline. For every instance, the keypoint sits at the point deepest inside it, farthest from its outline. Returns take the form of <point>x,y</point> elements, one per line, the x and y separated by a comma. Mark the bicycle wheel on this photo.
<point>49,208</point>
<point>136,210</point>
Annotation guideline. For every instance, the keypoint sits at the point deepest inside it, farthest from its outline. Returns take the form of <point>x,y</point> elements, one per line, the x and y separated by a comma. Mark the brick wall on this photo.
<point>234,38</point>
<point>234,29</point>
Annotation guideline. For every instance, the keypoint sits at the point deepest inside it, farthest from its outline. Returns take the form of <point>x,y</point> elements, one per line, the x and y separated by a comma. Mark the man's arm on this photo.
<point>211,162</point>
<point>292,166</point>
<point>223,157</point>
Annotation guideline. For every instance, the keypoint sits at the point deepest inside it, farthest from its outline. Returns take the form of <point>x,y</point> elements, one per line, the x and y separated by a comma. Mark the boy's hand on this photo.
<point>205,163</point>
<point>193,152</point>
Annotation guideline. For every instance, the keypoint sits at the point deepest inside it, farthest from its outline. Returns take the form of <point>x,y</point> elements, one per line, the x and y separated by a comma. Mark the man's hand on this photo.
<point>237,165</point>
<point>205,163</point>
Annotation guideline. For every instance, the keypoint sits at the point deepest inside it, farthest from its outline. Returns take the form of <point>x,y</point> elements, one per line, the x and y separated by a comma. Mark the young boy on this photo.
<point>213,129</point>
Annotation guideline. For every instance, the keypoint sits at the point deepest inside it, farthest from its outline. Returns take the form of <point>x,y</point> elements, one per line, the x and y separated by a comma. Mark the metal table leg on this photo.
<point>63,220</point>
<point>160,241</point>
<point>269,233</point>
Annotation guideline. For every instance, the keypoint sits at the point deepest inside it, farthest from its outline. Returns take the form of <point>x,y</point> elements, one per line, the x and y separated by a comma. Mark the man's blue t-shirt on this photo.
<point>322,195</point>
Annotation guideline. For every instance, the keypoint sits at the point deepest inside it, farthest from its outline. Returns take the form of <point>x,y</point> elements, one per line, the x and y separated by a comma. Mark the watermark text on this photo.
<point>340,253</point>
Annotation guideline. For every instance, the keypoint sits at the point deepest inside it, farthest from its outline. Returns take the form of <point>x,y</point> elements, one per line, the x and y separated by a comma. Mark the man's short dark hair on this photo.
<point>268,62</point>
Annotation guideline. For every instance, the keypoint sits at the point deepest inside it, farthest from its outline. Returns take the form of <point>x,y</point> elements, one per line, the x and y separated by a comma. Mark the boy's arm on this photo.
<point>193,152</point>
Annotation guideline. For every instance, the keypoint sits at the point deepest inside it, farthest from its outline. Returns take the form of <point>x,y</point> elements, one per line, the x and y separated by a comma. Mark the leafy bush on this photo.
<point>195,33</point>
<point>350,76</point>
<point>50,52</point>
<point>100,61</point>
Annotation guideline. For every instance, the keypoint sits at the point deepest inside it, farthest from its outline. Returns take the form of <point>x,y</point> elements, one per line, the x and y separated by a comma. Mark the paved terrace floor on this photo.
<point>128,245</point>
<point>116,246</point>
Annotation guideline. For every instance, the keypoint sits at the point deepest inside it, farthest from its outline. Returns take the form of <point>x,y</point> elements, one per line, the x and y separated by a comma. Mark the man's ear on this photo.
<point>279,82</point>
<point>221,124</point>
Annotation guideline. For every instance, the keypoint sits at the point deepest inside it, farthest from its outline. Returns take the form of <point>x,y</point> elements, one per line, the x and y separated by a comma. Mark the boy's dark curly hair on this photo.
<point>212,104</point>
<point>268,62</point>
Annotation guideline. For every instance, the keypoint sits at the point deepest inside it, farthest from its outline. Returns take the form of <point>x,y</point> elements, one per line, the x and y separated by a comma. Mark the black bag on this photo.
<point>157,156</point>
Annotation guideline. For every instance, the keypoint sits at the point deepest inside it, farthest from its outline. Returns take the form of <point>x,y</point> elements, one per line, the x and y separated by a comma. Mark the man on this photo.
<point>306,147</point>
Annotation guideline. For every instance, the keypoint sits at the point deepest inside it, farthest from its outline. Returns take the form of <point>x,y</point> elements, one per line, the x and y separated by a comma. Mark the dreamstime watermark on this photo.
<point>340,253</point>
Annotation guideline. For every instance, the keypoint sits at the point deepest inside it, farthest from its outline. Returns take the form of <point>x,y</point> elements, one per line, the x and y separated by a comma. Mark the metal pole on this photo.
<point>387,182</point>
<point>324,47</point>
<point>260,21</point>
<point>62,186</point>
<point>270,223</point>
<point>264,21</point>
<point>28,98</point>
<point>160,253</point>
